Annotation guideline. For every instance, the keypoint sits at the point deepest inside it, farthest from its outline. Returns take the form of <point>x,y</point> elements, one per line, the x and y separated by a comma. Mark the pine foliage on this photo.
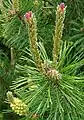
<point>48,88</point>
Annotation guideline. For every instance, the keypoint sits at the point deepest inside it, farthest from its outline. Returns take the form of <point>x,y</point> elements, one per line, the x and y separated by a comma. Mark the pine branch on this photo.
<point>49,92</point>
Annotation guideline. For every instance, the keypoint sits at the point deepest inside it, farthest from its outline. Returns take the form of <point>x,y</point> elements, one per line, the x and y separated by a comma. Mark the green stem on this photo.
<point>33,42</point>
<point>60,16</point>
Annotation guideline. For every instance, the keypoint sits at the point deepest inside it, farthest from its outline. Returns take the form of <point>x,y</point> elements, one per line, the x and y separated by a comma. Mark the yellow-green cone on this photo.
<point>16,104</point>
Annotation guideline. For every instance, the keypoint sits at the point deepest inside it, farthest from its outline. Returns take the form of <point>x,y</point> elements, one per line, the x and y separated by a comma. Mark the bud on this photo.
<point>28,15</point>
<point>10,97</point>
<point>35,116</point>
<point>11,12</point>
<point>36,3</point>
<point>54,74</point>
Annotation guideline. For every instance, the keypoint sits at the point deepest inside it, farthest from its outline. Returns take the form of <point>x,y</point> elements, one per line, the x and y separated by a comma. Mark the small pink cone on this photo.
<point>28,15</point>
<point>62,6</point>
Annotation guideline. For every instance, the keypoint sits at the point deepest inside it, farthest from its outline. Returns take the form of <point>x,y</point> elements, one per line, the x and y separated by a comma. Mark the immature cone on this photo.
<point>16,104</point>
<point>60,16</point>
<point>31,20</point>
<point>28,16</point>
<point>62,6</point>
